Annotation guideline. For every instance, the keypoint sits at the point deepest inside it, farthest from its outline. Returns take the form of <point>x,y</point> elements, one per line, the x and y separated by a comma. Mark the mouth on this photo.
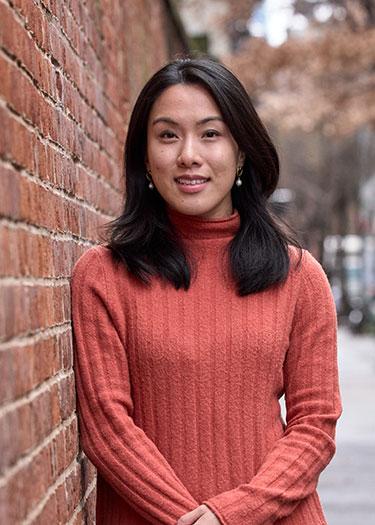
<point>191,183</point>
<point>191,180</point>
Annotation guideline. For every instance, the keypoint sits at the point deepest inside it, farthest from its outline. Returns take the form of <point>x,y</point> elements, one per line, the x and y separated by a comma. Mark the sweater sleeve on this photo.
<point>120,450</point>
<point>291,469</point>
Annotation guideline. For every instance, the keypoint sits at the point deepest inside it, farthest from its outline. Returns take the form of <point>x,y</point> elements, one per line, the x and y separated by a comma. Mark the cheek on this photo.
<point>225,161</point>
<point>160,158</point>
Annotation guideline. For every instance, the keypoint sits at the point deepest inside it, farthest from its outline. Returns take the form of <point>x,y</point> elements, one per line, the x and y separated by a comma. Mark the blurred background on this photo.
<point>309,67</point>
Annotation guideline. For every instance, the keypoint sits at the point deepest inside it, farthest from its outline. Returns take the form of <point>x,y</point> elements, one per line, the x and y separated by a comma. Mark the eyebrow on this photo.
<point>171,121</point>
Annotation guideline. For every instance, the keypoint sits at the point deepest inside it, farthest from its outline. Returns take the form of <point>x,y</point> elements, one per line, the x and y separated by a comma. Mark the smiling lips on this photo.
<point>191,183</point>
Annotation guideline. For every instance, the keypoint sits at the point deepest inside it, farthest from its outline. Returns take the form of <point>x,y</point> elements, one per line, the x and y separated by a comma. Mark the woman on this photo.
<point>195,319</point>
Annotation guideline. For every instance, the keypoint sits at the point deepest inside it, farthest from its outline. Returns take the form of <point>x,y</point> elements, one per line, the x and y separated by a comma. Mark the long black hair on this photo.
<point>142,236</point>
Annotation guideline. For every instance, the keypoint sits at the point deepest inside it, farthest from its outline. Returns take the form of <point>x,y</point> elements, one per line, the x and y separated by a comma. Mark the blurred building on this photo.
<point>367,199</point>
<point>216,27</point>
<point>202,23</point>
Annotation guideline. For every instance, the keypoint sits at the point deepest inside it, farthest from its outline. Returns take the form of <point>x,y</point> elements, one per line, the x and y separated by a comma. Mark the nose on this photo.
<point>188,154</point>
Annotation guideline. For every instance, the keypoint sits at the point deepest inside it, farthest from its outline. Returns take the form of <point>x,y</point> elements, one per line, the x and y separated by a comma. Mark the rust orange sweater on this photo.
<point>178,392</point>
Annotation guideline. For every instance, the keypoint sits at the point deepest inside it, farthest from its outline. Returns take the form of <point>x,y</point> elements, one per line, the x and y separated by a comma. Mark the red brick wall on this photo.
<point>69,71</point>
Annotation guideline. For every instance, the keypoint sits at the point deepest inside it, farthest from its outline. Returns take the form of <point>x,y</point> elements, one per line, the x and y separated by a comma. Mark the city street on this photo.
<point>347,486</point>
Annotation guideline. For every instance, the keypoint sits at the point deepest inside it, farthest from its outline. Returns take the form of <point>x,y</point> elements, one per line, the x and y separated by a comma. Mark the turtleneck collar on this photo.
<point>193,227</point>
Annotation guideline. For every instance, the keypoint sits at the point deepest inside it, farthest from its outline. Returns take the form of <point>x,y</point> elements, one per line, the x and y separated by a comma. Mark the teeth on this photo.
<point>191,182</point>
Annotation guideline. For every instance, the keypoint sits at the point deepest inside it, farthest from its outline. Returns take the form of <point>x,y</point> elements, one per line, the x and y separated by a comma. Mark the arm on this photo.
<point>291,469</point>
<point>119,449</point>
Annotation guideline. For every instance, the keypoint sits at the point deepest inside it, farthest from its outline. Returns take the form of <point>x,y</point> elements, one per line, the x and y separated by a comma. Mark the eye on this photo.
<point>211,133</point>
<point>167,134</point>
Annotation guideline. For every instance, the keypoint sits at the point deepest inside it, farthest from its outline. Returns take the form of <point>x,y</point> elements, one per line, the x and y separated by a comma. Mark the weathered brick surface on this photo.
<point>69,72</point>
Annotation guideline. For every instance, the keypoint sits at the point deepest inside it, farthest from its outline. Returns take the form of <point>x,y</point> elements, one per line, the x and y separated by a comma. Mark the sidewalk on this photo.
<point>347,486</point>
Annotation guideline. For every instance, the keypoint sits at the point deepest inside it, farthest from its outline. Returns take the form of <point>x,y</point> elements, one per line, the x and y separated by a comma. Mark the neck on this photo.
<point>196,227</point>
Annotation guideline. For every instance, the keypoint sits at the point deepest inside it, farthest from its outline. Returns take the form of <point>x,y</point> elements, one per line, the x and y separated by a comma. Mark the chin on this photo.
<point>201,207</point>
<point>192,210</point>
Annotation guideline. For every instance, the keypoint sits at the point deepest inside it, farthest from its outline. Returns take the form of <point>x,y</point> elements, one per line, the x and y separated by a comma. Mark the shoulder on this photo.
<point>98,253</point>
<point>93,266</point>
<point>308,277</point>
<point>304,265</point>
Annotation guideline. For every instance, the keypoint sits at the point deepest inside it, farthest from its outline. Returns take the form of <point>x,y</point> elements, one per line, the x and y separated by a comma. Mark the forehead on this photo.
<point>185,101</point>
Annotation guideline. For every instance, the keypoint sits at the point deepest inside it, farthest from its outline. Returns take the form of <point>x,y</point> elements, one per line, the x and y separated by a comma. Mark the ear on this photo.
<point>241,159</point>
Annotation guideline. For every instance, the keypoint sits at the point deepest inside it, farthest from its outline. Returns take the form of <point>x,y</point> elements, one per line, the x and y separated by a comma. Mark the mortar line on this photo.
<point>28,456</point>
<point>45,282</point>
<point>74,51</point>
<point>66,75</point>
<point>36,337</point>
<point>52,189</point>
<point>81,29</point>
<point>90,488</point>
<point>46,141</point>
<point>56,105</point>
<point>18,224</point>
<point>50,491</point>
<point>40,389</point>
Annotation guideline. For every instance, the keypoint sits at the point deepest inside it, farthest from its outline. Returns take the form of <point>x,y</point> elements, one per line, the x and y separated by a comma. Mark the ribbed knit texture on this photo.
<point>178,391</point>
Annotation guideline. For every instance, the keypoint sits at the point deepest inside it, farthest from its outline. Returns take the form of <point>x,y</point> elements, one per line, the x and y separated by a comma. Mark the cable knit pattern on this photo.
<point>178,391</point>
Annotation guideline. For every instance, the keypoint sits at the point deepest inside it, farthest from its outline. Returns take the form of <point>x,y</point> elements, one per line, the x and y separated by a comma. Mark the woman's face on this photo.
<point>191,154</point>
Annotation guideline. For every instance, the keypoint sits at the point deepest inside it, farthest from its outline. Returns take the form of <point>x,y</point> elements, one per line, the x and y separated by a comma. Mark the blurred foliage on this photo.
<point>356,14</point>
<point>325,81</point>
